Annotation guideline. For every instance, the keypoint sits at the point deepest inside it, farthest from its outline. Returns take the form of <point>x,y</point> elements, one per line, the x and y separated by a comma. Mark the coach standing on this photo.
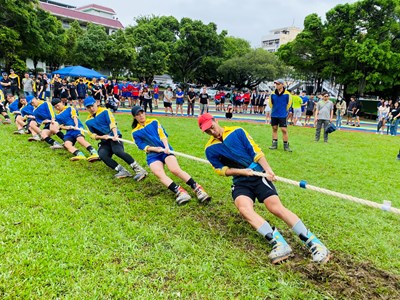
<point>323,116</point>
<point>280,102</point>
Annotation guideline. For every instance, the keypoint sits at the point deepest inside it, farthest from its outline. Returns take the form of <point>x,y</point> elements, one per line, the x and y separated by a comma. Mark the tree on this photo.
<point>153,38</point>
<point>19,30</point>
<point>306,53</point>
<point>251,69</point>
<point>196,43</point>
<point>73,33</point>
<point>91,47</point>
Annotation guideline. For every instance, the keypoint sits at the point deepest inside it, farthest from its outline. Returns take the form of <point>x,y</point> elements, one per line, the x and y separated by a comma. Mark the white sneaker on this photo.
<point>182,196</point>
<point>56,146</point>
<point>319,253</point>
<point>201,194</point>
<point>35,138</point>
<point>279,253</point>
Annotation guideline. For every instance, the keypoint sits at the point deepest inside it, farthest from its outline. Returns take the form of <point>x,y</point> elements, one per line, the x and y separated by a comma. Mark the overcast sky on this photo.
<point>248,19</point>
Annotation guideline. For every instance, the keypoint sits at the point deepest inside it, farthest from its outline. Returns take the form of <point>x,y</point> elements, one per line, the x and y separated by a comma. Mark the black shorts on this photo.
<point>46,126</point>
<point>259,188</point>
<point>282,122</point>
<point>167,104</point>
<point>309,113</point>
<point>2,109</point>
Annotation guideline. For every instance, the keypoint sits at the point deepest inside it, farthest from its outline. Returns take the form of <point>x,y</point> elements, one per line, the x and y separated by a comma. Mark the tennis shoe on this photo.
<point>80,156</point>
<point>280,248</point>
<point>319,253</point>
<point>94,157</point>
<point>34,138</point>
<point>56,146</point>
<point>21,131</point>
<point>140,172</point>
<point>6,121</point>
<point>122,172</point>
<point>201,194</point>
<point>182,196</point>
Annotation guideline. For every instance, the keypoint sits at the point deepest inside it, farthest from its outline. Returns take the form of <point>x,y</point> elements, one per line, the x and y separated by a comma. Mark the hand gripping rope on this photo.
<point>386,206</point>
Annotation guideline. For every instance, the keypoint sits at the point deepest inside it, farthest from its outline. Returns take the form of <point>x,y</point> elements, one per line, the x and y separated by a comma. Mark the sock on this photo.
<point>275,140</point>
<point>6,117</point>
<point>285,142</point>
<point>191,183</point>
<point>173,187</point>
<point>76,152</point>
<point>60,135</point>
<point>91,150</point>
<point>49,141</point>
<point>264,229</point>
<point>300,229</point>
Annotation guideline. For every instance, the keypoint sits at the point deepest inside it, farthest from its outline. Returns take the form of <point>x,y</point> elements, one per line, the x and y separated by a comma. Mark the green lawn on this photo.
<point>70,230</point>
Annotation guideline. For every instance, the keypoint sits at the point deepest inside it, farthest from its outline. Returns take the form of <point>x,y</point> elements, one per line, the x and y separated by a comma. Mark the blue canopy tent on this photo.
<point>76,71</point>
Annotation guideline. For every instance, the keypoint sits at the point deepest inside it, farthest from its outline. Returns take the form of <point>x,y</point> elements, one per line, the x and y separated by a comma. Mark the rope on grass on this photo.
<point>386,206</point>
<point>303,184</point>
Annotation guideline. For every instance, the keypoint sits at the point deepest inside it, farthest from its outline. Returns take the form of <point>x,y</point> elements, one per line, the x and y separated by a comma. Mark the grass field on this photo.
<point>69,230</point>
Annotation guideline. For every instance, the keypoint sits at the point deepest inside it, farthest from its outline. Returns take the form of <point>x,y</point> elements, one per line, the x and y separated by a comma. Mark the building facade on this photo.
<point>278,37</point>
<point>92,13</point>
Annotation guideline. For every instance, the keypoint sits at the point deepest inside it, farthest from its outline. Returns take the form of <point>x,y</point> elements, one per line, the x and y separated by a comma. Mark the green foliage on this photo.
<point>251,69</point>
<point>91,47</point>
<point>195,43</point>
<point>235,47</point>
<point>357,46</point>
<point>70,230</point>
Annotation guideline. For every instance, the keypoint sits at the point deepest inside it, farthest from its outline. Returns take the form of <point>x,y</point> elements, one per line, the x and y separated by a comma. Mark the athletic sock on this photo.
<point>274,140</point>
<point>173,187</point>
<point>6,117</point>
<point>60,135</point>
<point>300,229</point>
<point>76,152</point>
<point>264,229</point>
<point>91,149</point>
<point>191,183</point>
<point>285,142</point>
<point>49,141</point>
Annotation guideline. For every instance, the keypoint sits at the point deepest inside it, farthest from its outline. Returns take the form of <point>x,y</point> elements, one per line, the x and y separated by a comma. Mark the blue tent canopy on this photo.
<point>76,71</point>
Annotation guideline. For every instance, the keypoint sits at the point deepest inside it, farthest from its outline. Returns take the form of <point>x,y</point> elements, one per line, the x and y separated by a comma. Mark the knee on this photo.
<point>176,171</point>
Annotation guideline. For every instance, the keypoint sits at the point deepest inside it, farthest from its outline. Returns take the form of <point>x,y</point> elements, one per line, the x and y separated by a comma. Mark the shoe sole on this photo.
<point>76,158</point>
<point>280,259</point>
<point>143,176</point>
<point>93,159</point>
<point>121,177</point>
<point>182,202</point>
<point>206,200</point>
<point>326,259</point>
<point>33,140</point>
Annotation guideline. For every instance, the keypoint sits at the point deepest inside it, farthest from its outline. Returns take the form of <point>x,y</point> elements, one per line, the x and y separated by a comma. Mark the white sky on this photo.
<point>250,20</point>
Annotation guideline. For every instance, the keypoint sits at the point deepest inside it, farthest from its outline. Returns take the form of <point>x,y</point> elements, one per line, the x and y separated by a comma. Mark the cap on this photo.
<point>281,81</point>
<point>11,70</point>
<point>89,101</point>
<point>136,109</point>
<point>205,121</point>
<point>29,98</point>
<point>4,74</point>
<point>55,101</point>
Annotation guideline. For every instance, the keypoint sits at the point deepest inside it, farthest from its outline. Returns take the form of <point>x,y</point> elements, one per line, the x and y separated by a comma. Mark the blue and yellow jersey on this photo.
<point>27,110</point>
<point>102,122</point>
<point>149,135</point>
<point>44,111</point>
<point>66,117</point>
<point>13,107</point>
<point>280,104</point>
<point>237,150</point>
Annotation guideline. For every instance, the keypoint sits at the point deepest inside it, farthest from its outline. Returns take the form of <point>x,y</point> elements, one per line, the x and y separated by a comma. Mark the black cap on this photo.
<point>136,109</point>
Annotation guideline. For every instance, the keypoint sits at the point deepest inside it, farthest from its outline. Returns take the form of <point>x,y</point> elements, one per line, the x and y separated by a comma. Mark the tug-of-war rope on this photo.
<point>386,206</point>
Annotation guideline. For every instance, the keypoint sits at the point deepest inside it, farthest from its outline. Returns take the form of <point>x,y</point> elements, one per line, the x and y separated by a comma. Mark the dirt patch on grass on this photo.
<point>342,278</point>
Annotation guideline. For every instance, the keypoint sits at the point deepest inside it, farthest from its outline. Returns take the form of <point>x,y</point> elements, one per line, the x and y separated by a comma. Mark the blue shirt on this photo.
<point>236,150</point>
<point>280,104</point>
<point>66,117</point>
<point>102,122</point>
<point>149,135</point>
<point>13,107</point>
<point>44,111</point>
<point>27,110</point>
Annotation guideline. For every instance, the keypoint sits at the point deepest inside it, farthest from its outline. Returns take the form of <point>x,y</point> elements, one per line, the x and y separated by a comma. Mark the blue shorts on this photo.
<point>156,157</point>
<point>155,96</point>
<point>135,97</point>
<point>72,136</point>
<point>126,94</point>
<point>179,101</point>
